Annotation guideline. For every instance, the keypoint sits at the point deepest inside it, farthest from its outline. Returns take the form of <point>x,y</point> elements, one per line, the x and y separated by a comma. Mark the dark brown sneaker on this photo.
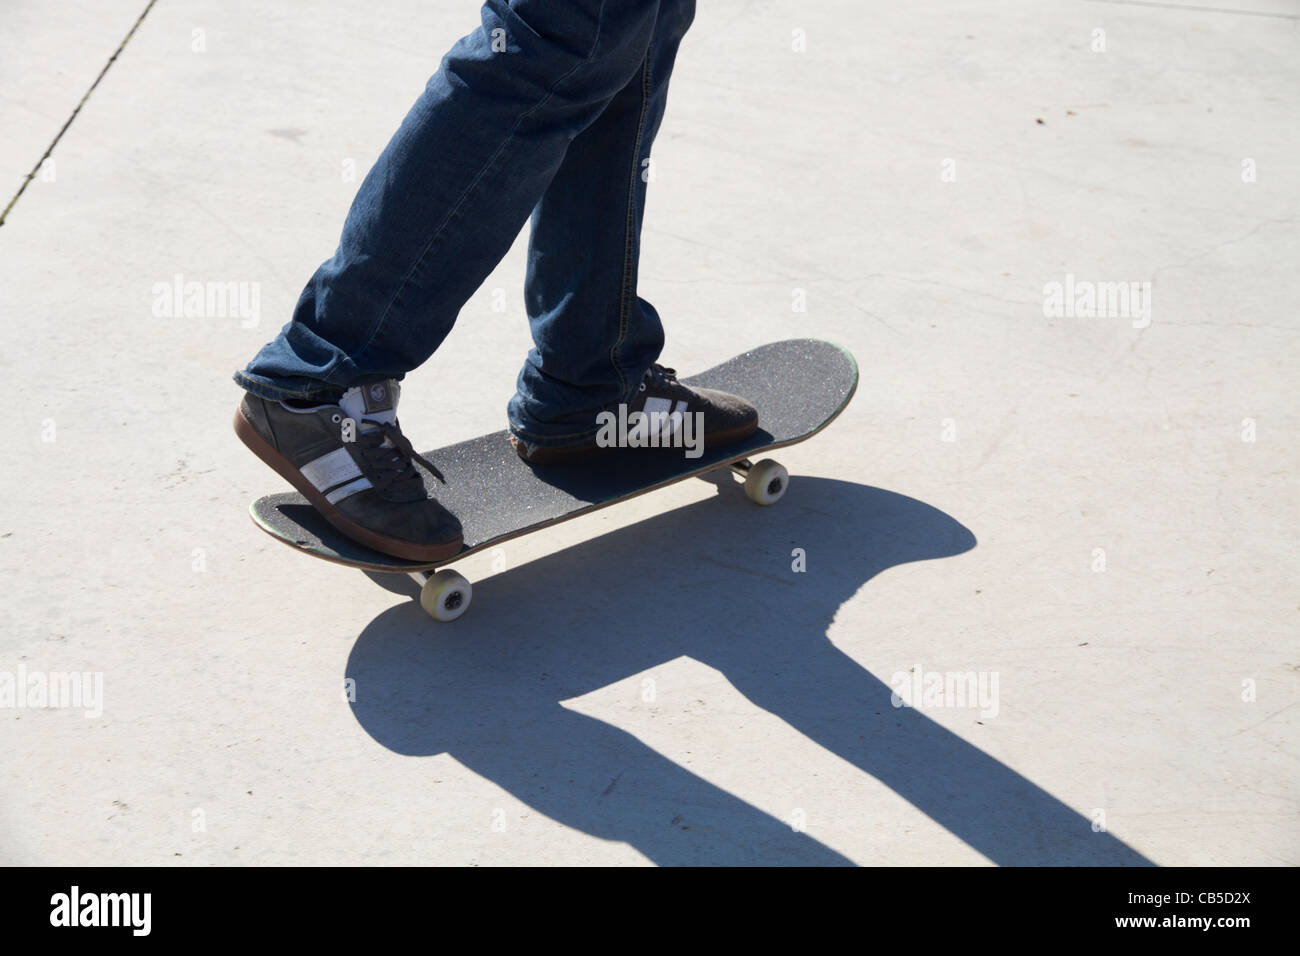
<point>657,418</point>
<point>352,462</point>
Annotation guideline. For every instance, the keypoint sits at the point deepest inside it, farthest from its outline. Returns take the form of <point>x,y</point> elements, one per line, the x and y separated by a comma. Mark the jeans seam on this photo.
<point>469,190</point>
<point>628,294</point>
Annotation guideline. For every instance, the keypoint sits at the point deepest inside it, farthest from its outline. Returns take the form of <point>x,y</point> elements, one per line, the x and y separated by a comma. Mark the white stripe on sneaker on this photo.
<point>660,405</point>
<point>676,416</point>
<point>669,420</point>
<point>656,424</point>
<point>331,469</point>
<point>338,494</point>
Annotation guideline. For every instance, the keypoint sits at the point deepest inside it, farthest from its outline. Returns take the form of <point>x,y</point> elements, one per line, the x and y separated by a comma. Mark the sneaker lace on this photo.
<point>661,375</point>
<point>391,466</point>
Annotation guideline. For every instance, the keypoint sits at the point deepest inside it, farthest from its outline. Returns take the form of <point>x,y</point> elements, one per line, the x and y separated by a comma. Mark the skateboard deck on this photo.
<point>799,386</point>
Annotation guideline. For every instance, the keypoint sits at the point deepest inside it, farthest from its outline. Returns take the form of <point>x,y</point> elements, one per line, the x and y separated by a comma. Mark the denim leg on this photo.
<point>593,336</point>
<point>453,188</point>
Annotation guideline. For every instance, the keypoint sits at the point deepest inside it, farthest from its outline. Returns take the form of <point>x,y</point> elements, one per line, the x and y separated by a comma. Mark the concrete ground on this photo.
<point>1094,516</point>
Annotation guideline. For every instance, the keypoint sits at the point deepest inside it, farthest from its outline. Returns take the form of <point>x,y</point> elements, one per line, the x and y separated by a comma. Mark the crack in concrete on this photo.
<point>58,136</point>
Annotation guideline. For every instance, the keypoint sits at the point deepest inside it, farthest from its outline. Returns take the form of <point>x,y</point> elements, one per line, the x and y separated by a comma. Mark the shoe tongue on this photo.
<point>377,401</point>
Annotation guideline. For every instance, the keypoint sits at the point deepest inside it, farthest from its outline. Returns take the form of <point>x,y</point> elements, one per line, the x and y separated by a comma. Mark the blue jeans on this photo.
<point>548,109</point>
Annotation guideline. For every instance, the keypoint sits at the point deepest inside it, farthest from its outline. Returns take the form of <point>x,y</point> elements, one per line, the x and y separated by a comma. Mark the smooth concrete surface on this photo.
<point>1095,517</point>
<point>50,54</point>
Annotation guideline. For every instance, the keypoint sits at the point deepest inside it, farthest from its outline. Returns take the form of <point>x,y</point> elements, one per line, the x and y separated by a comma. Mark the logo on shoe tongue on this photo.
<point>378,397</point>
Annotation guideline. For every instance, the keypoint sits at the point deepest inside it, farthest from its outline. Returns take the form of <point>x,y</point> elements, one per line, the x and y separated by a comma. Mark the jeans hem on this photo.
<point>275,393</point>
<point>553,441</point>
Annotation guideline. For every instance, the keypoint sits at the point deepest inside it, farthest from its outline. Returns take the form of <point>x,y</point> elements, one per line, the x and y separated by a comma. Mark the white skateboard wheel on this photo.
<point>446,595</point>
<point>766,482</point>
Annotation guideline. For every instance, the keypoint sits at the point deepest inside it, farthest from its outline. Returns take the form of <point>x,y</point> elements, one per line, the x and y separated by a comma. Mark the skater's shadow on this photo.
<point>711,581</point>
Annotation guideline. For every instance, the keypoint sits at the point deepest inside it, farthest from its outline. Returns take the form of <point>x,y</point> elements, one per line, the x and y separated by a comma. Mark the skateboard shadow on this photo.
<point>711,581</point>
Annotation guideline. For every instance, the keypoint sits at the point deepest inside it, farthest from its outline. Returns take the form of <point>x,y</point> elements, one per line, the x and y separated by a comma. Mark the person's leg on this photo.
<point>438,210</point>
<point>452,189</point>
<point>593,336</point>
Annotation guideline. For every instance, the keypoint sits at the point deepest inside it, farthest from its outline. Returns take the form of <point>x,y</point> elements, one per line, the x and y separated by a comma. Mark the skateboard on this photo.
<point>799,386</point>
